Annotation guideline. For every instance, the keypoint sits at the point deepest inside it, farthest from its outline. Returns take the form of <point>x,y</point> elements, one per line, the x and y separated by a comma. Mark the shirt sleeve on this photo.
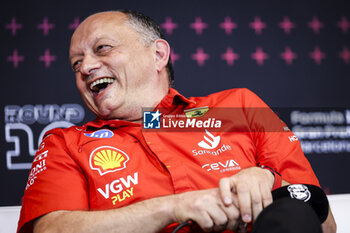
<point>276,145</point>
<point>55,182</point>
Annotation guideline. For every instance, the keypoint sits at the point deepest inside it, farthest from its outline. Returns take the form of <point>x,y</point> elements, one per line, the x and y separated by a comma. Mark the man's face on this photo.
<point>114,70</point>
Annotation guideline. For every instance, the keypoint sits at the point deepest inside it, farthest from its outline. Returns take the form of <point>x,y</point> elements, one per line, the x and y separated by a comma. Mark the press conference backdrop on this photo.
<point>294,54</point>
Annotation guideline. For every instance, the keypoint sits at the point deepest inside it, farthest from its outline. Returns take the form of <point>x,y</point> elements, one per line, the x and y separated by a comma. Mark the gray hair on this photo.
<point>149,32</point>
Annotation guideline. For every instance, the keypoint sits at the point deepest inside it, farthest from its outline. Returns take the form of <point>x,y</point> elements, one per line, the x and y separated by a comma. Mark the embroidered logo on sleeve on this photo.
<point>299,192</point>
<point>38,166</point>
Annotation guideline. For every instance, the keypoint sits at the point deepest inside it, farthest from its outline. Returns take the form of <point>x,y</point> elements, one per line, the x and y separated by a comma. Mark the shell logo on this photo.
<point>107,159</point>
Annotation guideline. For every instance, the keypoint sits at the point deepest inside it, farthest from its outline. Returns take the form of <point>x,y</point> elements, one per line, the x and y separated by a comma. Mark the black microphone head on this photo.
<point>310,194</point>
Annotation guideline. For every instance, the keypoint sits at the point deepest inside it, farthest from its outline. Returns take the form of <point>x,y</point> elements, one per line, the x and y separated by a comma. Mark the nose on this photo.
<point>90,64</point>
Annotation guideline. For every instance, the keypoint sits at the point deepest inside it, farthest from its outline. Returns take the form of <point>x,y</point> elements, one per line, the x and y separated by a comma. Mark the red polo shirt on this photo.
<point>110,164</point>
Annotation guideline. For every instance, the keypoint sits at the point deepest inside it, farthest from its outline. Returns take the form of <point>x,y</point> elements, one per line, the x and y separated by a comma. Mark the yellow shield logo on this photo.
<point>107,159</point>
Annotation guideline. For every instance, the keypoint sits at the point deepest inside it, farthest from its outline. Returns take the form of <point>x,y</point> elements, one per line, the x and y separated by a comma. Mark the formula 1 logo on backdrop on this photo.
<point>22,123</point>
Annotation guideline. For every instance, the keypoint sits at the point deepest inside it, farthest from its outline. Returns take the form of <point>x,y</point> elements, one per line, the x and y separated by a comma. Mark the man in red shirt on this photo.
<point>111,175</point>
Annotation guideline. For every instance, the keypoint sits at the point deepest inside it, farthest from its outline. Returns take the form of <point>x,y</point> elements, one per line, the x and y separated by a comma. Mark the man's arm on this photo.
<point>329,226</point>
<point>146,216</point>
<point>204,207</point>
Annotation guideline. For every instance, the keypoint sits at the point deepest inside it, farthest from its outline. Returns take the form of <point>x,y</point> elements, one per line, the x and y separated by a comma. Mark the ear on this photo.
<point>162,54</point>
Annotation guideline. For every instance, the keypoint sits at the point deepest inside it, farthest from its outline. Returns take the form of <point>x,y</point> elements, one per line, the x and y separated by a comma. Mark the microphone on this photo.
<point>310,194</point>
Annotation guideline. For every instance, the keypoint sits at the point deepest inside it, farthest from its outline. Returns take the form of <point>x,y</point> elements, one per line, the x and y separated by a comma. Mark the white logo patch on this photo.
<point>299,192</point>
<point>228,165</point>
<point>209,143</point>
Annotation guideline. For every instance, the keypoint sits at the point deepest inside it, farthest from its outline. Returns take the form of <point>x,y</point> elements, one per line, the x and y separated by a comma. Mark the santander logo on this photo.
<point>210,141</point>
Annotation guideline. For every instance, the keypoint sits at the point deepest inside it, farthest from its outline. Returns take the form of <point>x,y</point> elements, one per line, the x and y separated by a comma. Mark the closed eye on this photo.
<point>101,49</point>
<point>76,66</point>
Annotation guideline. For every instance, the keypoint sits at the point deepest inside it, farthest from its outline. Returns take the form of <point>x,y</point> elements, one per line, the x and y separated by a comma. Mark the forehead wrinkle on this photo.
<point>107,25</point>
<point>88,44</point>
<point>98,25</point>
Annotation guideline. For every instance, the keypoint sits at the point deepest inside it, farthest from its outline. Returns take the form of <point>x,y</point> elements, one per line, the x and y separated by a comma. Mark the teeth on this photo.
<point>100,81</point>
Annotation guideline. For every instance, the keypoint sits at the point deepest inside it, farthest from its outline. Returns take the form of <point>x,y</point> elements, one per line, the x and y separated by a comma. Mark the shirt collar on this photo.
<point>174,98</point>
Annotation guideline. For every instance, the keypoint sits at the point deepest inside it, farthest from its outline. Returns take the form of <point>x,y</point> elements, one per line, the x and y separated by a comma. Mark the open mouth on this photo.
<point>100,84</point>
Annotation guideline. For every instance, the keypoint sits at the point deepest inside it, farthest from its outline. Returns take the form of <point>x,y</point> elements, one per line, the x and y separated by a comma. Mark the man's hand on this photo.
<point>251,189</point>
<point>206,208</point>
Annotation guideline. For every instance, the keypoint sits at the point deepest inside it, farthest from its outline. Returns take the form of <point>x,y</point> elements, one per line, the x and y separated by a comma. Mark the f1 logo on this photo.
<point>151,120</point>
